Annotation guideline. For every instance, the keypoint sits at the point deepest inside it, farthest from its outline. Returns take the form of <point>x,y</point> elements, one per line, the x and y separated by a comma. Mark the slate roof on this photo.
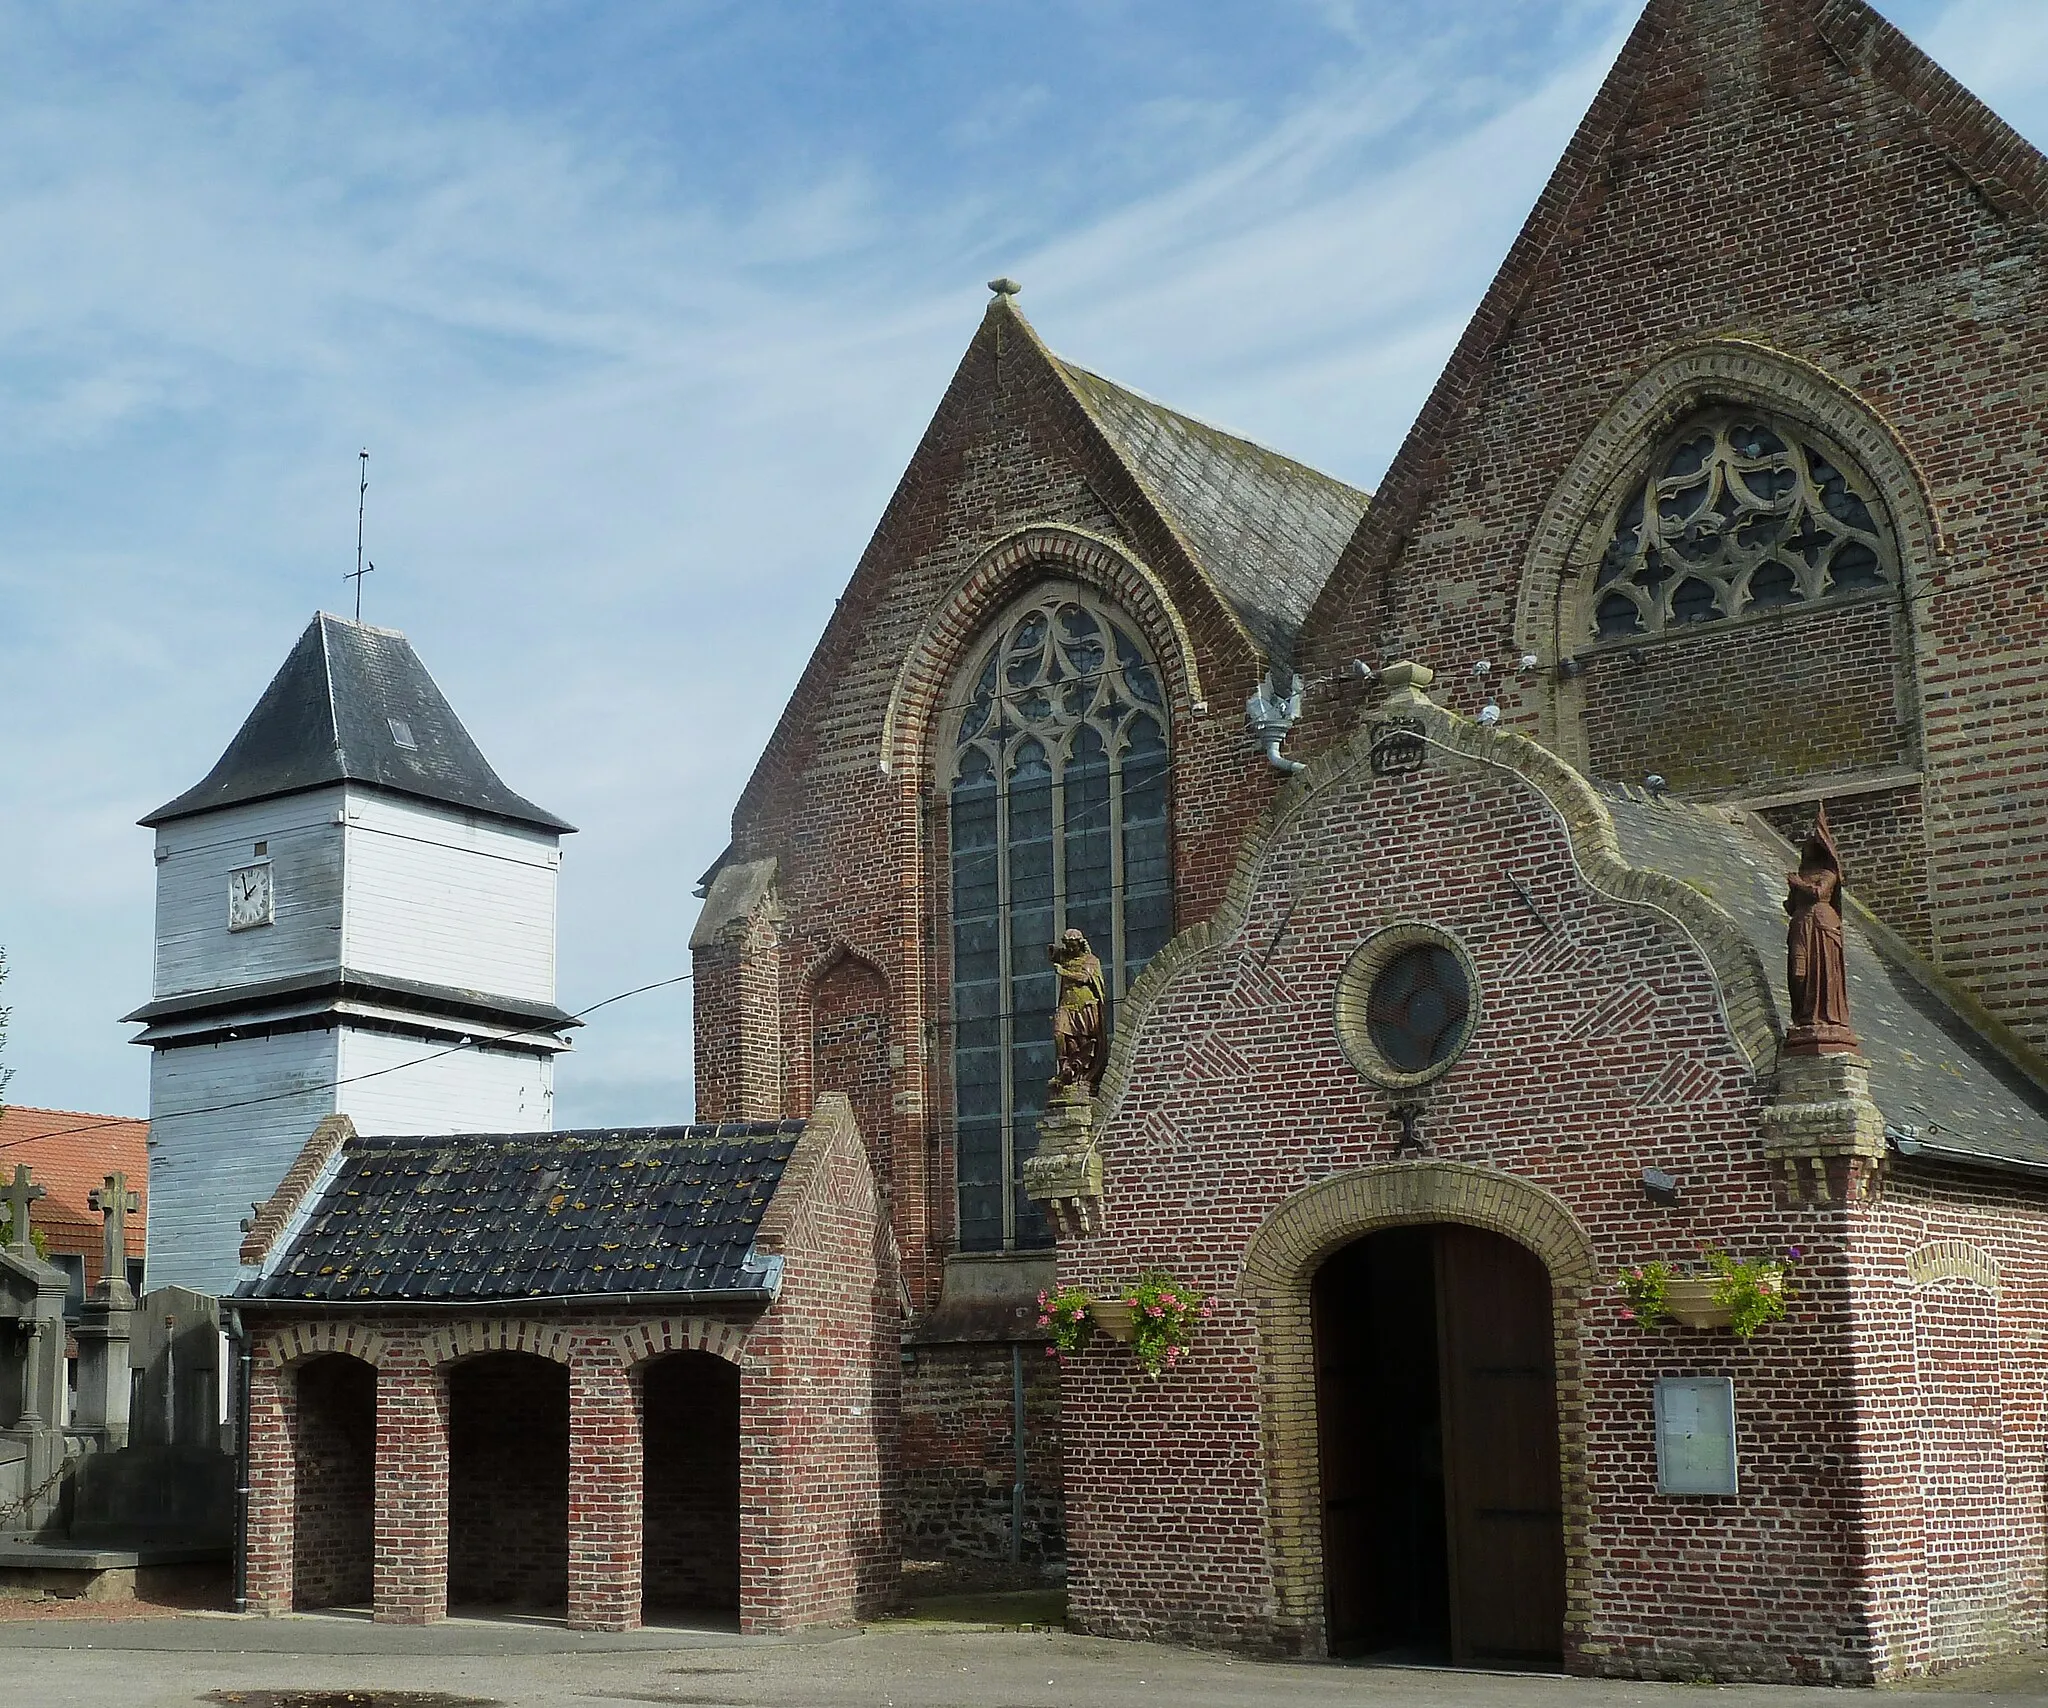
<point>1265,530</point>
<point>328,717</point>
<point>536,1215</point>
<point>1941,1084</point>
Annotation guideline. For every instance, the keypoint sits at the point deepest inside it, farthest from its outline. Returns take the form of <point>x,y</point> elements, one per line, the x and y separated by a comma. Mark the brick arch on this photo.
<point>1001,574</point>
<point>473,1335</point>
<point>1952,1260</point>
<point>681,1334</point>
<point>1279,1268</point>
<point>296,1342</point>
<point>1553,601</point>
<point>846,1010</point>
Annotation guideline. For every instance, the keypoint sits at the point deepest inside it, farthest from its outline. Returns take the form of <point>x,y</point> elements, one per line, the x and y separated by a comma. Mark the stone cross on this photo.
<point>114,1201</point>
<point>19,1197</point>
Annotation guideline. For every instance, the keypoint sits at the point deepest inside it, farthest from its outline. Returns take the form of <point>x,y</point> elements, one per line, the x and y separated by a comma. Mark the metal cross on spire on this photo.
<point>362,498</point>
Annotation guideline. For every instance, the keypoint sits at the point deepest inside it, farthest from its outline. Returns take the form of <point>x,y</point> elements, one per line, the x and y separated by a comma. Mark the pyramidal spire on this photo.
<point>354,704</point>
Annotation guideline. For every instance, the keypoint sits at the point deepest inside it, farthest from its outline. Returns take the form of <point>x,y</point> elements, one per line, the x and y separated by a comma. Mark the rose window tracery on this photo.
<point>1740,512</point>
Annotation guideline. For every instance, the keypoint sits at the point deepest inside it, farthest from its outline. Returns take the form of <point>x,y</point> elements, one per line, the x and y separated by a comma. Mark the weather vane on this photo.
<point>362,497</point>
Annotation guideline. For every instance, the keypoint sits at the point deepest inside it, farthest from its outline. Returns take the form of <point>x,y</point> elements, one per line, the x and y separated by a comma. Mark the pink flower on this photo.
<point>1045,1322</point>
<point>1154,1311</point>
<point>1041,1298</point>
<point>1627,1315</point>
<point>1173,1355</point>
<point>1205,1310</point>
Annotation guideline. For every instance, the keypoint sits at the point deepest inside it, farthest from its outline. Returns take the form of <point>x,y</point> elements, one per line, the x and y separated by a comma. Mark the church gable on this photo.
<point>1784,295</point>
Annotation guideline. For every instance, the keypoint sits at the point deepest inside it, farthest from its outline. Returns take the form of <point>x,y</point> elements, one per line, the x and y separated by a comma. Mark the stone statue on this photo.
<point>1077,1019</point>
<point>1814,969</point>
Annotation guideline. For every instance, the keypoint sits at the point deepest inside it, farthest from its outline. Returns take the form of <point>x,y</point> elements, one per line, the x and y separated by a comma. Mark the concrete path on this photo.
<point>182,1662</point>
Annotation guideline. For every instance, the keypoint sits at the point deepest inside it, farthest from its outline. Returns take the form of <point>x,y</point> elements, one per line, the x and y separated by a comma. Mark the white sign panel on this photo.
<point>1696,1435</point>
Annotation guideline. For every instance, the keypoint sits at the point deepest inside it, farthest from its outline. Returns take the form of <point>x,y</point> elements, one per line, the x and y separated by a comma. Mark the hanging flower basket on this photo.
<point>1113,1317</point>
<point>1689,1299</point>
<point>1742,1297</point>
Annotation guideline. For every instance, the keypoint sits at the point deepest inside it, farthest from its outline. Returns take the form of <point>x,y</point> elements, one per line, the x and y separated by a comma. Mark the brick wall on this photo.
<point>333,1463</point>
<point>509,1460</point>
<point>508,1482</point>
<point>1883,839</point>
<point>1240,1097</point>
<point>1752,704</point>
<point>1951,1297</point>
<point>1795,188</point>
<point>860,842</point>
<point>959,1454</point>
<point>690,1512</point>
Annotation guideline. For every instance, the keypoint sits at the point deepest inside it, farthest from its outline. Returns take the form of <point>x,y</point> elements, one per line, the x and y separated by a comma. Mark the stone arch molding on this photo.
<point>1001,574</point>
<point>1952,1260</point>
<point>1279,1267</point>
<point>295,1343</point>
<point>469,1338</point>
<point>1567,542</point>
<point>681,1334</point>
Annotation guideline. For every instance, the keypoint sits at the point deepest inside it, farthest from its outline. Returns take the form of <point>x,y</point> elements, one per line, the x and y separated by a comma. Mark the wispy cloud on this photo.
<point>640,329</point>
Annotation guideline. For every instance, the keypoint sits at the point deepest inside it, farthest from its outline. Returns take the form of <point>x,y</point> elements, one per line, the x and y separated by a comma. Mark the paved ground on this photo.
<point>185,1661</point>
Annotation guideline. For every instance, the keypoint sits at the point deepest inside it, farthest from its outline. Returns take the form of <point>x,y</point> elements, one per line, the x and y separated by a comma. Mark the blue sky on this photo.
<point>640,310</point>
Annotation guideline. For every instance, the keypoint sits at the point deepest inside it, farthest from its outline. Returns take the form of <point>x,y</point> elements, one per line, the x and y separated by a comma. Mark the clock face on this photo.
<point>251,900</point>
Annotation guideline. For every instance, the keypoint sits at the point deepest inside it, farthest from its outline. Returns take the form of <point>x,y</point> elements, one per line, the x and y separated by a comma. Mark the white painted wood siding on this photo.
<point>449,898</point>
<point>469,1091</point>
<point>195,950</point>
<point>205,1170</point>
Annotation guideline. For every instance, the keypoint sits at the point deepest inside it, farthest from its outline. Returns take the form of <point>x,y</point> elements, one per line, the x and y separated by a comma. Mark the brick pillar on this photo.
<point>412,1493</point>
<point>604,1497</point>
<point>273,1486</point>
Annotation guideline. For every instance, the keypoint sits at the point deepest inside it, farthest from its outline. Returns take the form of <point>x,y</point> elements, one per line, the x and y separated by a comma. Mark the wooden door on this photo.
<point>1502,1494</point>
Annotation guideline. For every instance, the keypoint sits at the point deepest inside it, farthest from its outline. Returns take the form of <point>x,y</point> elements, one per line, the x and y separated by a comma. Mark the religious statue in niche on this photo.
<point>1077,1032</point>
<point>1814,969</point>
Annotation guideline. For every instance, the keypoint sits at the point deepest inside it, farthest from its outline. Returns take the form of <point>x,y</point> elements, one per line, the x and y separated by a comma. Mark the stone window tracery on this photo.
<point>1058,811</point>
<point>1740,512</point>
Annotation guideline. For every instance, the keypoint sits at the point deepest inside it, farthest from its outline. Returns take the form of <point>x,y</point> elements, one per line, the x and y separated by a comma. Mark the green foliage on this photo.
<point>1752,1293</point>
<point>1642,1291</point>
<point>1065,1316</point>
<point>1163,1319</point>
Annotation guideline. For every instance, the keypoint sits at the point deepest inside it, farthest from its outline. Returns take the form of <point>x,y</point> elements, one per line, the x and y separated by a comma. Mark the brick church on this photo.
<point>1434,846</point>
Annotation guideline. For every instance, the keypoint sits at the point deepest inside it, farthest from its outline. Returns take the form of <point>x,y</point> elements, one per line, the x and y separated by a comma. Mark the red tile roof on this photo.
<point>71,1153</point>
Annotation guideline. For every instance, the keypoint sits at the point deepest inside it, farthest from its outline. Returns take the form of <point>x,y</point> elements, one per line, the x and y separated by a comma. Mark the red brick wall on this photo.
<point>819,1466</point>
<point>1883,838</point>
<point>334,1462</point>
<point>862,862</point>
<point>1752,705</point>
<point>508,1482</point>
<point>1951,1376</point>
<point>850,1048</point>
<point>690,1511</point>
<point>499,1439</point>
<point>1757,171</point>
<point>1241,1096</point>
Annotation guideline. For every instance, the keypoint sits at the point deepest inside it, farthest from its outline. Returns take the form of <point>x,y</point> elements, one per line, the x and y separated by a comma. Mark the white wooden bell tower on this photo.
<point>354,915</point>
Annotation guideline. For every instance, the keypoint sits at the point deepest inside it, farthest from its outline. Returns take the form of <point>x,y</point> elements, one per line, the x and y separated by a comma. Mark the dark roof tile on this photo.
<point>334,714</point>
<point>522,1215</point>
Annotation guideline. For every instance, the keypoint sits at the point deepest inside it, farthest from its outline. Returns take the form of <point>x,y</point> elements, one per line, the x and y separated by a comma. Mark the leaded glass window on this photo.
<point>1058,773</point>
<point>1740,512</point>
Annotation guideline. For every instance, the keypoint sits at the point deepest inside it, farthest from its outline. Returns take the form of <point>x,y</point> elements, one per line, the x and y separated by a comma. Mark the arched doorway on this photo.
<point>1436,1400</point>
<point>508,1482</point>
<point>334,1474</point>
<point>690,1486</point>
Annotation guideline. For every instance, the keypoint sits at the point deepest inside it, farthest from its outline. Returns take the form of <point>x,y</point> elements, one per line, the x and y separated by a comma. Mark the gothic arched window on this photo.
<point>1057,783</point>
<point>1740,512</point>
